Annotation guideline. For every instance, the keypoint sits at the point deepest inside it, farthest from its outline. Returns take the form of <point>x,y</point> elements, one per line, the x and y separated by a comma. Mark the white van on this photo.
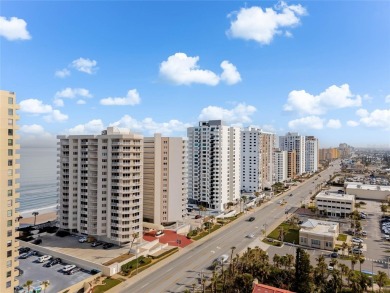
<point>43,258</point>
<point>68,268</point>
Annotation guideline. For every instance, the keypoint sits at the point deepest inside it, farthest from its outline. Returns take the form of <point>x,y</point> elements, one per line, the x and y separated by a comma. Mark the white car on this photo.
<point>44,258</point>
<point>330,268</point>
<point>357,240</point>
<point>68,268</point>
<point>222,259</point>
<point>280,202</point>
<point>83,239</point>
<point>251,235</point>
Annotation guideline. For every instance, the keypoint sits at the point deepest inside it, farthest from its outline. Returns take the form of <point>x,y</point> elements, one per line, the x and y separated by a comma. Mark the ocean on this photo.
<point>38,180</point>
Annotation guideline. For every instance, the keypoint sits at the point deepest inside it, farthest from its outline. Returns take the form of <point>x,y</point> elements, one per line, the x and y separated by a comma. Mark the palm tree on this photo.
<point>381,279</point>
<point>135,236</point>
<point>353,262</point>
<point>35,214</point>
<point>233,248</point>
<point>361,261</point>
<point>45,284</point>
<point>344,246</point>
<point>28,285</point>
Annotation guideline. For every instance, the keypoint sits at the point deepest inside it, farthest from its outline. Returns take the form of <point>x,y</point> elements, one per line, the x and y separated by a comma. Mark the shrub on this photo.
<point>128,267</point>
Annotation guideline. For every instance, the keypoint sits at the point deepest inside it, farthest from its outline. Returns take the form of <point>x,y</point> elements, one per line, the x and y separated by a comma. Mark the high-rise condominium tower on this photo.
<point>293,141</point>
<point>311,154</point>
<point>213,164</point>
<point>101,184</point>
<point>8,190</point>
<point>256,159</point>
<point>280,163</point>
<point>165,179</point>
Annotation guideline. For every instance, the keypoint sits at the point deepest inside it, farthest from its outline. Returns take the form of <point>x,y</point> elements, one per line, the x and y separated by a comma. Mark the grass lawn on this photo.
<point>119,259</point>
<point>109,283</point>
<point>273,243</point>
<point>342,237</point>
<point>206,232</point>
<point>291,234</point>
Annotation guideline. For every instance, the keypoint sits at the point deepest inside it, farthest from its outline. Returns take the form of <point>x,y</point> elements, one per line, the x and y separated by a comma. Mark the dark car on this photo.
<point>291,194</point>
<point>72,271</point>
<point>53,262</point>
<point>334,255</point>
<point>198,216</point>
<point>31,253</point>
<point>107,245</point>
<point>96,243</point>
<point>251,219</point>
<point>24,249</point>
<point>37,241</point>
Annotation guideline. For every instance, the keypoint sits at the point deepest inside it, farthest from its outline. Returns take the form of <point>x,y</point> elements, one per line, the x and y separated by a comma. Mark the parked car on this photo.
<point>387,237</point>
<point>363,233</point>
<point>357,240</point>
<point>53,262</point>
<point>96,243</point>
<point>198,216</point>
<point>334,255</point>
<point>107,245</point>
<point>159,233</point>
<point>357,251</point>
<point>44,258</point>
<point>290,194</point>
<point>37,241</point>
<point>251,219</point>
<point>330,267</point>
<point>72,271</point>
<point>68,268</point>
<point>251,235</point>
<point>19,289</point>
<point>23,255</point>
<point>24,249</point>
<point>30,253</point>
<point>83,239</point>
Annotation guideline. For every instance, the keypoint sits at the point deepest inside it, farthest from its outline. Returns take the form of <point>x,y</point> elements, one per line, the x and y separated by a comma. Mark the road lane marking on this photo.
<point>145,285</point>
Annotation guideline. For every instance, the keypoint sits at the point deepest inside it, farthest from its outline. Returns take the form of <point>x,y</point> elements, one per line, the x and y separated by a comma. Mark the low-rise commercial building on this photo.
<point>319,234</point>
<point>334,204</point>
<point>366,191</point>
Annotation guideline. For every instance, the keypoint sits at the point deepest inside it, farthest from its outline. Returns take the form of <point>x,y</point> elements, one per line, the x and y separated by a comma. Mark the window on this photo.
<point>10,101</point>
<point>8,274</point>
<point>9,223</point>
<point>10,132</point>
<point>316,242</point>
<point>10,121</point>
<point>9,263</point>
<point>9,213</point>
<point>8,284</point>
<point>10,112</point>
<point>10,152</point>
<point>9,253</point>
<point>10,172</point>
<point>9,243</point>
<point>10,182</point>
<point>9,192</point>
<point>10,163</point>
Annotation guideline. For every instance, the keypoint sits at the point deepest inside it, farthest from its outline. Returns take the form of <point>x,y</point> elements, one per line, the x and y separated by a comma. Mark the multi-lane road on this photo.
<point>184,270</point>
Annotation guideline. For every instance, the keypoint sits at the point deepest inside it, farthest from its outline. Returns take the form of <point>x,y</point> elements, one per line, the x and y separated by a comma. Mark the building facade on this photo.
<point>8,191</point>
<point>165,179</point>
<point>257,169</point>
<point>291,164</point>
<point>311,154</point>
<point>280,165</point>
<point>213,164</point>
<point>101,184</point>
<point>319,234</point>
<point>292,141</point>
<point>328,154</point>
<point>334,204</point>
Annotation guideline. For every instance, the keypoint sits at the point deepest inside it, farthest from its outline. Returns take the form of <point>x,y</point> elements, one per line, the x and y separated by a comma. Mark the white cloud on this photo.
<point>73,93</point>
<point>238,115</point>
<point>35,106</point>
<point>62,73</point>
<point>58,102</point>
<point>81,102</point>
<point>387,99</point>
<point>309,122</point>
<point>84,65</point>
<point>230,75</point>
<point>132,98</point>
<point>150,126</point>
<point>14,29</point>
<point>92,127</point>
<point>261,26</point>
<point>333,97</point>
<point>35,135</point>
<point>333,123</point>
<point>378,118</point>
<point>352,123</point>
<point>182,69</point>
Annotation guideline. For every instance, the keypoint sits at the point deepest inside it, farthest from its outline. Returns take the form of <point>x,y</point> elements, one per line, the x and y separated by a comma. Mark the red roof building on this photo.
<point>261,288</point>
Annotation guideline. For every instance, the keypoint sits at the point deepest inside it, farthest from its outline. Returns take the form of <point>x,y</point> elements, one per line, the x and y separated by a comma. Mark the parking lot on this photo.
<point>37,273</point>
<point>71,246</point>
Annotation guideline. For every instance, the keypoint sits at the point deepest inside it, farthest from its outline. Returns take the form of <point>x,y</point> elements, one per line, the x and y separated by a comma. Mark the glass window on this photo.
<point>9,213</point>
<point>10,193</point>
<point>8,284</point>
<point>10,182</point>
<point>8,274</point>
<point>10,101</point>
<point>9,263</point>
<point>9,243</point>
<point>10,142</point>
<point>10,163</point>
<point>9,203</point>
<point>9,233</point>
<point>10,112</point>
<point>10,152</point>
<point>10,121</point>
<point>10,172</point>
<point>10,132</point>
<point>9,223</point>
<point>9,253</point>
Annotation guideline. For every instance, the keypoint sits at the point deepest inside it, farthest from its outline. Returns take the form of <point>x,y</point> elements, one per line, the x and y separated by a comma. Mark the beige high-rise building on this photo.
<point>8,191</point>
<point>165,179</point>
<point>291,164</point>
<point>101,184</point>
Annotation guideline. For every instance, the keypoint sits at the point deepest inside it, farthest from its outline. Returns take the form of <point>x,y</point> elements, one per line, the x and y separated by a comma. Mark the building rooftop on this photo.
<point>261,288</point>
<point>359,185</point>
<point>319,227</point>
<point>334,195</point>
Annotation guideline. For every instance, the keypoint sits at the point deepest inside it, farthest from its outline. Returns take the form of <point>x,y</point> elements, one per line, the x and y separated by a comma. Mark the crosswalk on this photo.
<point>377,260</point>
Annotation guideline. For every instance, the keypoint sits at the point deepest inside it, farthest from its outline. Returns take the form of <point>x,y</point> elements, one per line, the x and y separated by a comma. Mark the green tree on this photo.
<point>35,214</point>
<point>45,284</point>
<point>303,280</point>
<point>243,283</point>
<point>381,279</point>
<point>320,273</point>
<point>28,285</point>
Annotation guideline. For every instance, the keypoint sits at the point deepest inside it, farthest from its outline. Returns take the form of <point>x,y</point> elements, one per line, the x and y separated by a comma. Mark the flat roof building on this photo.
<point>367,191</point>
<point>319,234</point>
<point>334,204</point>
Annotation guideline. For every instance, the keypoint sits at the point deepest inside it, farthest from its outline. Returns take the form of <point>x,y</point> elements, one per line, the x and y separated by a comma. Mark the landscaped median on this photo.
<point>108,283</point>
<point>285,232</point>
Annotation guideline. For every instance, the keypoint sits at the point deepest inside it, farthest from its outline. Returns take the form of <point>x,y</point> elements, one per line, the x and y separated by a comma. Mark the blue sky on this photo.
<point>316,67</point>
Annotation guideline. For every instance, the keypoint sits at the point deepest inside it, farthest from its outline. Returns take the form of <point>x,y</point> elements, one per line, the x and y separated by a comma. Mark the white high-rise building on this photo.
<point>293,141</point>
<point>101,184</point>
<point>256,159</point>
<point>311,154</point>
<point>213,164</point>
<point>165,179</point>
<point>280,163</point>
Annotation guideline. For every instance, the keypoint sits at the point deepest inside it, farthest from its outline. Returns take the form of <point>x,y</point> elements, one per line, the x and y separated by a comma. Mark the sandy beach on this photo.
<point>41,218</point>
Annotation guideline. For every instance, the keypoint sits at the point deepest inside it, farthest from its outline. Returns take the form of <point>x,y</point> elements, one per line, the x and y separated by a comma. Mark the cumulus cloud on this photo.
<point>62,73</point>
<point>92,127</point>
<point>35,135</point>
<point>149,126</point>
<point>334,97</point>
<point>379,118</point>
<point>261,26</point>
<point>132,98</point>
<point>239,115</point>
<point>230,75</point>
<point>81,102</point>
<point>14,29</point>
<point>352,123</point>
<point>309,122</point>
<point>184,70</point>
<point>333,123</point>
<point>37,107</point>
<point>70,93</point>
<point>84,65</point>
